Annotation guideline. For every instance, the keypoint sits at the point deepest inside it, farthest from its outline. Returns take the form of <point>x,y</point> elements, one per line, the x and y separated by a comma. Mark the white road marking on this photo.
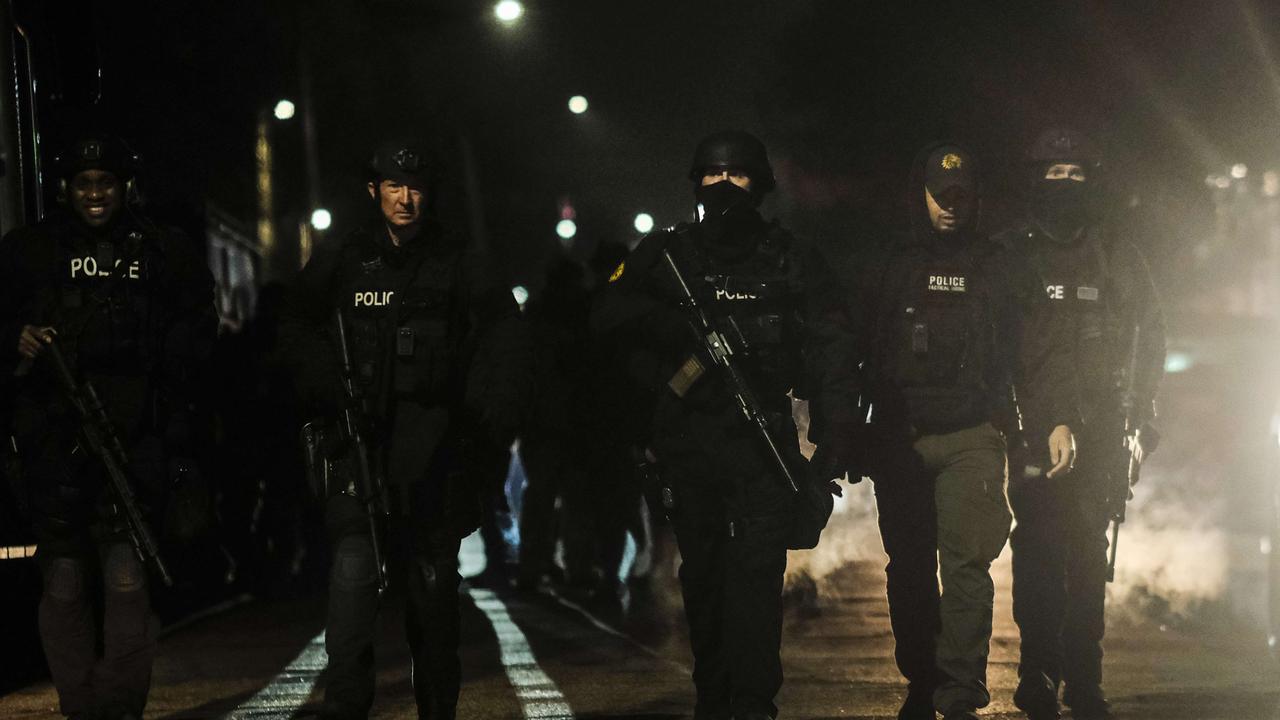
<point>289,689</point>
<point>540,699</point>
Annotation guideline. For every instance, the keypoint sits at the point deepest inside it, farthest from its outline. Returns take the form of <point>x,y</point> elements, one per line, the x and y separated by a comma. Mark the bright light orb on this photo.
<point>284,110</point>
<point>644,222</point>
<point>566,229</point>
<point>577,105</point>
<point>508,11</point>
<point>1239,170</point>
<point>321,219</point>
<point>521,294</point>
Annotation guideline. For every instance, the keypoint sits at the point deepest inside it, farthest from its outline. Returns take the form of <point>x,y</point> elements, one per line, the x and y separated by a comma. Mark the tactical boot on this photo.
<point>961,712</point>
<point>1087,704</point>
<point>917,706</point>
<point>1037,697</point>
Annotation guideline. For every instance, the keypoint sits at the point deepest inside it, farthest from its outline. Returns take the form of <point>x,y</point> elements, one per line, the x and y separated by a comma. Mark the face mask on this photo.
<point>1062,207</point>
<point>720,199</point>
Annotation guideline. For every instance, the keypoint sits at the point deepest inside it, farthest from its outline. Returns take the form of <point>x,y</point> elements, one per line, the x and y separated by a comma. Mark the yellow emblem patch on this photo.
<point>618,273</point>
<point>951,161</point>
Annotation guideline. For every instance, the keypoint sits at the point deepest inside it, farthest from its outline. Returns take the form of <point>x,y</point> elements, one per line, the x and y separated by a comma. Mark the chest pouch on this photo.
<point>404,342</point>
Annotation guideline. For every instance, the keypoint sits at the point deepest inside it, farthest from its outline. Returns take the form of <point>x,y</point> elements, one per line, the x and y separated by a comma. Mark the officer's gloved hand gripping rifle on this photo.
<point>98,436</point>
<point>720,352</point>
<point>1125,457</point>
<point>366,485</point>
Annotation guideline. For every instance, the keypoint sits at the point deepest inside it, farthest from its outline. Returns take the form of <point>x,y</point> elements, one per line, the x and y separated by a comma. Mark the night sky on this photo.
<point>842,91</point>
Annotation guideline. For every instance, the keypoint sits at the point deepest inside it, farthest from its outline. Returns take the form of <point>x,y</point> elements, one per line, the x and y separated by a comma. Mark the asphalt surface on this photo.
<point>541,655</point>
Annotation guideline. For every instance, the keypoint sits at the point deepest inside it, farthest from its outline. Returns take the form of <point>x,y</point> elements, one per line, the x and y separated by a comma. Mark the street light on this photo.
<point>321,219</point>
<point>284,110</point>
<point>508,11</point>
<point>644,223</point>
<point>577,104</point>
<point>566,229</point>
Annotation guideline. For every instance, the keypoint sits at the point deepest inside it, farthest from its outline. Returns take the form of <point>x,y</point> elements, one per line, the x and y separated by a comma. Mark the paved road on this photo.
<point>538,656</point>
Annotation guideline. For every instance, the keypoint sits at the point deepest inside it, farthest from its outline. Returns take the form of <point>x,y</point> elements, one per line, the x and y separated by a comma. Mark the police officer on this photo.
<point>934,314</point>
<point>1095,290</point>
<point>131,306</point>
<point>436,347</point>
<point>733,515</point>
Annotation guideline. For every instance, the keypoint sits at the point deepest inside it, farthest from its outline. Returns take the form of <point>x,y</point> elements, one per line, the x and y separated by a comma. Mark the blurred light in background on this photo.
<point>577,105</point>
<point>566,229</point>
<point>284,110</point>
<point>1239,170</point>
<point>644,222</point>
<point>508,11</point>
<point>321,219</point>
<point>521,294</point>
<point>1176,362</point>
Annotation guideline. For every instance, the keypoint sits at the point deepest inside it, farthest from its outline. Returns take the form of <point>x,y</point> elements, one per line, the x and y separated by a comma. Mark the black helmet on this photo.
<point>737,150</point>
<point>403,161</point>
<point>1064,144</point>
<point>97,152</point>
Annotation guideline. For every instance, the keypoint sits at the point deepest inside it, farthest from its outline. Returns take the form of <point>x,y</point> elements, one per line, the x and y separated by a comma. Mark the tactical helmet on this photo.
<point>402,161</point>
<point>734,149</point>
<point>97,152</point>
<point>1064,144</point>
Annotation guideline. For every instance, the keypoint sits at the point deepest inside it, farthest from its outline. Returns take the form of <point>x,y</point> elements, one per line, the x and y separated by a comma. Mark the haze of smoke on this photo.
<point>1174,553</point>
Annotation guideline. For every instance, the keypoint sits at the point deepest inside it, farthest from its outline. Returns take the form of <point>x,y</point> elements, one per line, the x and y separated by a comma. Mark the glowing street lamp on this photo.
<point>284,110</point>
<point>321,219</point>
<point>578,104</point>
<point>566,229</point>
<point>508,11</point>
<point>643,222</point>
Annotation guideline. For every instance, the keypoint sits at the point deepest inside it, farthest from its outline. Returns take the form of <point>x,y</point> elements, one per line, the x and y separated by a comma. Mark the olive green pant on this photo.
<point>965,472</point>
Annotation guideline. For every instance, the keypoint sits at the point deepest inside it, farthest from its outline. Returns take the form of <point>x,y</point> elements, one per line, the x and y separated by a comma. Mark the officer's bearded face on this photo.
<point>95,196</point>
<point>737,177</point>
<point>401,204</point>
<point>950,212</point>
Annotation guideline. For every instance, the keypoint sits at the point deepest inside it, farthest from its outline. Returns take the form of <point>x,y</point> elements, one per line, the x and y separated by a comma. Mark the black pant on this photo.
<point>431,616</point>
<point>1060,577</point>
<point>905,505</point>
<point>731,580</point>
<point>81,544</point>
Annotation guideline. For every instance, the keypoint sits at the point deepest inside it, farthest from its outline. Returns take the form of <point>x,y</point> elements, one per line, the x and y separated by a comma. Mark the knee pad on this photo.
<point>64,579</point>
<point>353,565</point>
<point>122,572</point>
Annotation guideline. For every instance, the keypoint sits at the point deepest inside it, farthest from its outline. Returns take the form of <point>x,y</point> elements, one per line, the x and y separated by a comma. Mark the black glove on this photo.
<point>838,454</point>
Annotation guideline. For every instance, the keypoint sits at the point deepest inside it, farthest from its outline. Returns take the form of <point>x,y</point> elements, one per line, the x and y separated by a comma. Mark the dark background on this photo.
<point>842,91</point>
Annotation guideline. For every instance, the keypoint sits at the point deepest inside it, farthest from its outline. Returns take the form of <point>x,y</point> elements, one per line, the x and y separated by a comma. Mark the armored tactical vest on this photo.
<point>755,302</point>
<point>106,301</point>
<point>935,339</point>
<point>1078,302</point>
<point>407,322</point>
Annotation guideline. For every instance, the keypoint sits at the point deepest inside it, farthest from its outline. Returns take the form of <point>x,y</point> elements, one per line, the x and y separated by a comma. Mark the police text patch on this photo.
<point>946,283</point>
<point>373,298</point>
<point>88,266</point>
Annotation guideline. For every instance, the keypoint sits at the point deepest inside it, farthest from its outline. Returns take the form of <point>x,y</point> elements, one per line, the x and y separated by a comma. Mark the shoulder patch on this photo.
<point>618,272</point>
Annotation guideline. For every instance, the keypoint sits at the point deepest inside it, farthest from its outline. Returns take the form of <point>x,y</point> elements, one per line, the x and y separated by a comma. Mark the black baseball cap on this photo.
<point>950,166</point>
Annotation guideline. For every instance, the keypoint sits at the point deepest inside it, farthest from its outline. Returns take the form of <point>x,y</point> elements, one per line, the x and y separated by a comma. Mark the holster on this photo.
<point>326,456</point>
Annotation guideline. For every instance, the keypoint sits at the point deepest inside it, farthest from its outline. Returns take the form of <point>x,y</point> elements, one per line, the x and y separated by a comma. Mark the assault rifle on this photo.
<point>718,349</point>
<point>366,485</point>
<point>1124,463</point>
<point>98,436</point>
